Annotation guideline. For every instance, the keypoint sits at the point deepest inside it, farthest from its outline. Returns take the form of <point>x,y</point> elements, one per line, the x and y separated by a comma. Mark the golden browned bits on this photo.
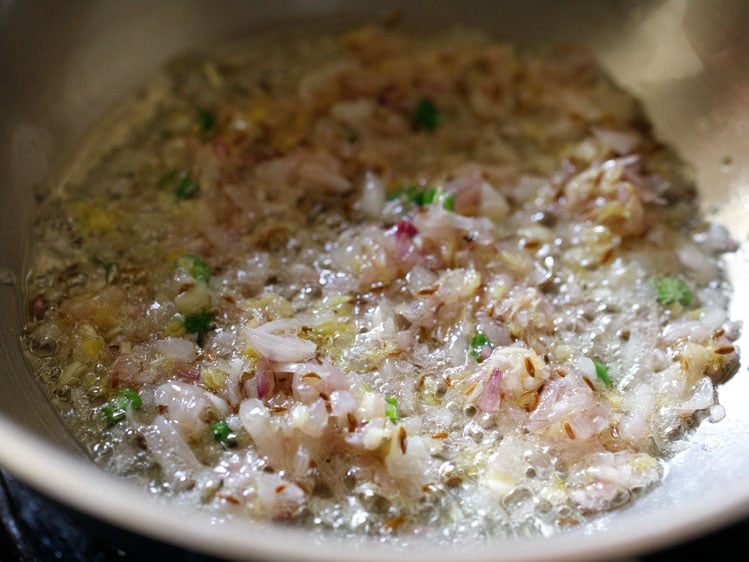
<point>453,481</point>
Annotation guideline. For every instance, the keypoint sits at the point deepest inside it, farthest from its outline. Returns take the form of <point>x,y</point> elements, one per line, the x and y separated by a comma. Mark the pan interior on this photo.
<point>682,59</point>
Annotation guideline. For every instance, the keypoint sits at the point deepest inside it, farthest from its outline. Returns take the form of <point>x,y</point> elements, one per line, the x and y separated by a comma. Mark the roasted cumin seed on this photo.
<point>568,429</point>
<point>530,368</point>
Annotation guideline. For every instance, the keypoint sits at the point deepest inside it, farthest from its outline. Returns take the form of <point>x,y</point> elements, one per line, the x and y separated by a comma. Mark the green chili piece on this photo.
<point>206,120</point>
<point>183,184</point>
<point>198,268</point>
<point>420,197</point>
<point>391,410</point>
<point>426,115</point>
<point>671,290</point>
<point>478,343</point>
<point>428,197</point>
<point>115,411</point>
<point>602,372</point>
<point>198,323</point>
<point>186,187</point>
<point>221,431</point>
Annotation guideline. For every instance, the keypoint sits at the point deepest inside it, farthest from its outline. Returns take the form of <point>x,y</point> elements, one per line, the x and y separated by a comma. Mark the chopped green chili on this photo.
<point>420,197</point>
<point>198,324</point>
<point>427,197</point>
<point>410,193</point>
<point>426,115</point>
<point>183,184</point>
<point>478,343</point>
<point>186,187</point>
<point>391,410</point>
<point>198,268</point>
<point>222,433</point>
<point>115,411</point>
<point>671,291</point>
<point>206,120</point>
<point>602,372</point>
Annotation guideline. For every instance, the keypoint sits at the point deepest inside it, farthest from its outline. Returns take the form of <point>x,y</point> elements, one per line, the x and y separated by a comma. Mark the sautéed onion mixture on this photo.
<point>383,282</point>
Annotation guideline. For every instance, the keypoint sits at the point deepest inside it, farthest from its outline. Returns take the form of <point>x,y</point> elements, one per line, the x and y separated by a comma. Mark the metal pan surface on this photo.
<point>62,65</point>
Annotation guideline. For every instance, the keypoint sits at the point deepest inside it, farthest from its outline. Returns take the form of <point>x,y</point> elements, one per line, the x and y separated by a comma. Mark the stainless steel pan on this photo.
<point>63,64</point>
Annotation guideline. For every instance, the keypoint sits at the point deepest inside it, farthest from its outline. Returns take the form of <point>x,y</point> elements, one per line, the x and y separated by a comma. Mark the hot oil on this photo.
<point>299,251</point>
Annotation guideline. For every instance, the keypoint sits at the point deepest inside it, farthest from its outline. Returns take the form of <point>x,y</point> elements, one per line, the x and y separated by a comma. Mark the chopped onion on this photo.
<point>186,405</point>
<point>621,142</point>
<point>312,379</point>
<point>641,403</point>
<point>279,348</point>
<point>179,465</point>
<point>257,421</point>
<point>324,175</point>
<point>488,400</point>
<point>372,198</point>
<point>177,348</point>
<point>318,419</point>
<point>264,379</point>
<point>342,403</point>
<point>493,204</point>
<point>279,498</point>
<point>717,412</point>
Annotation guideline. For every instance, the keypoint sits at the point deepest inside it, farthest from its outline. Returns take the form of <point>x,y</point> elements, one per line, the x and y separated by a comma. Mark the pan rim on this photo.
<point>80,484</point>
